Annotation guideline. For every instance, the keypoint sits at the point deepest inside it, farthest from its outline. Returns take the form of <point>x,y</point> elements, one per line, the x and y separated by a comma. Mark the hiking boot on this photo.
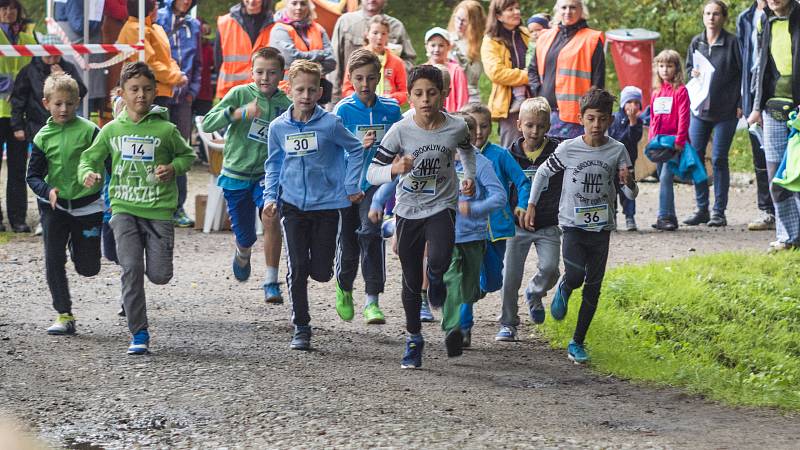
<point>139,343</point>
<point>577,353</point>
<point>630,224</point>
<point>344,304</point>
<point>182,220</point>
<point>64,324</point>
<point>412,359</point>
<point>272,293</point>
<point>373,315</point>
<point>301,340</point>
<point>697,218</point>
<point>718,220</point>
<point>454,342</point>
<point>765,221</point>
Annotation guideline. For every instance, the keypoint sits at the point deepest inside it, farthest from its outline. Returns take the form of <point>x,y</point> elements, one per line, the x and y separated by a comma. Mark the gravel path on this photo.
<point>222,375</point>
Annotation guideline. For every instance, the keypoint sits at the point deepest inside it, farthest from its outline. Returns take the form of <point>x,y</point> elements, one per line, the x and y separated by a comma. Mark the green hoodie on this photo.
<point>245,141</point>
<point>136,149</point>
<point>62,145</point>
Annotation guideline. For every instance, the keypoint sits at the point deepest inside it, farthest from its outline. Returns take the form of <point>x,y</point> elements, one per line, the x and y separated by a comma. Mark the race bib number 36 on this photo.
<point>420,185</point>
<point>258,130</point>
<point>301,144</point>
<point>138,149</point>
<point>591,217</point>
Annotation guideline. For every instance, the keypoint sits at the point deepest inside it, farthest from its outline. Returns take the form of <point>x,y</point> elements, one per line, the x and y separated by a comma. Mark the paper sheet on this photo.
<point>699,87</point>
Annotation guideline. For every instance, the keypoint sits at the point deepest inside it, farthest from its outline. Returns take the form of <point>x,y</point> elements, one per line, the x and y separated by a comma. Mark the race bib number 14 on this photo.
<point>138,149</point>
<point>301,144</point>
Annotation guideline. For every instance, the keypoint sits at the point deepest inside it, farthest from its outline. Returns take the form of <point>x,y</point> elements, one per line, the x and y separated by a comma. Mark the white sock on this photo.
<point>371,298</point>
<point>272,275</point>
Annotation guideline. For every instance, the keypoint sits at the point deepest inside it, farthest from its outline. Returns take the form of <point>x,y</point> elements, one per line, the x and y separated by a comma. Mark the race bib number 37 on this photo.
<point>301,144</point>
<point>138,149</point>
<point>420,185</point>
<point>591,217</point>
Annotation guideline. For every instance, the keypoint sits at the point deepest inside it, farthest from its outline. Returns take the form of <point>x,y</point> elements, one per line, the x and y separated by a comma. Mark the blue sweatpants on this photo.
<point>242,204</point>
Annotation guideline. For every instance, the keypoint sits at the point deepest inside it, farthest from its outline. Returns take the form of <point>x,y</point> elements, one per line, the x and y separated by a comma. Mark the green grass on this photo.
<point>5,237</point>
<point>726,326</point>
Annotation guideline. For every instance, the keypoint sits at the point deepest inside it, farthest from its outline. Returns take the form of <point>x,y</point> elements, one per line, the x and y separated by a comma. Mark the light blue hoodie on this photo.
<point>307,160</point>
<point>490,196</point>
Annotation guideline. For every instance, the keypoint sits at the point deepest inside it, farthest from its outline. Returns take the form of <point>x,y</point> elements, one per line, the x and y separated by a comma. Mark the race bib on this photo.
<point>258,130</point>
<point>460,175</point>
<point>420,185</point>
<point>380,131</point>
<point>138,149</point>
<point>662,105</point>
<point>530,173</point>
<point>301,144</point>
<point>591,217</point>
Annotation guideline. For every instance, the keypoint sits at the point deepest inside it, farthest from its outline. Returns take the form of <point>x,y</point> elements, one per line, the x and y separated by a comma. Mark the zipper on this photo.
<point>300,126</point>
<point>514,46</point>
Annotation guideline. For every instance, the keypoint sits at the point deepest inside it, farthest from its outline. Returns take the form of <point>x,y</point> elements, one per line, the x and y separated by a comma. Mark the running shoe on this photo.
<point>467,333</point>
<point>577,353</point>
<point>765,221</point>
<point>425,314</point>
<point>535,308</point>
<point>558,309</point>
<point>373,315</point>
<point>272,293</point>
<point>344,304</point>
<point>64,324</point>
<point>437,291</point>
<point>241,273</point>
<point>506,334</point>
<point>412,359</point>
<point>139,343</point>
<point>302,338</point>
<point>182,220</point>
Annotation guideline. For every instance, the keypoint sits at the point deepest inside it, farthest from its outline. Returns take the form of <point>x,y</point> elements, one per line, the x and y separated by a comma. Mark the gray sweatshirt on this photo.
<point>588,193</point>
<point>432,185</point>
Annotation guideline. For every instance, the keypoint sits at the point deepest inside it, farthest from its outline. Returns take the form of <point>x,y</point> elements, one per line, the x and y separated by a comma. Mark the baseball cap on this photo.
<point>438,31</point>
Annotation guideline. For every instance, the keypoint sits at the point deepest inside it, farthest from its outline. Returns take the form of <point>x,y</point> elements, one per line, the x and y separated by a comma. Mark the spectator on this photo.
<point>503,54</point>
<point>157,53</point>
<point>205,97</point>
<point>626,128</point>
<point>721,113</point>
<point>778,93</point>
<point>393,82</point>
<point>747,35</point>
<point>14,29</point>
<point>536,24</point>
<point>115,14</point>
<point>437,45</point>
<point>348,35</point>
<point>568,60</point>
<point>242,31</point>
<point>467,25</point>
<point>298,36</point>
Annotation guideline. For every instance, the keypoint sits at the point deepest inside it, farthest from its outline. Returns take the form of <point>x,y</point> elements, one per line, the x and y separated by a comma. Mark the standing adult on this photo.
<point>184,35</point>
<point>720,114</point>
<point>298,36</point>
<point>348,35</point>
<point>467,25</point>
<point>503,54</point>
<point>777,94</point>
<point>115,14</point>
<point>568,60</point>
<point>14,29</point>
<point>245,29</point>
<point>747,35</point>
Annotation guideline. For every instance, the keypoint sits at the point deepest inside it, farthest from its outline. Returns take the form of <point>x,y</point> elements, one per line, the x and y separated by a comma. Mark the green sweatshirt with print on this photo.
<point>136,149</point>
<point>245,141</point>
<point>62,145</point>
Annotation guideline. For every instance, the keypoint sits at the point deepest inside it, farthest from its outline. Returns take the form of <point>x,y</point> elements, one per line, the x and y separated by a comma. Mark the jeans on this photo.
<point>666,193</point>
<point>700,132</point>
<point>242,204</point>
<point>360,240</point>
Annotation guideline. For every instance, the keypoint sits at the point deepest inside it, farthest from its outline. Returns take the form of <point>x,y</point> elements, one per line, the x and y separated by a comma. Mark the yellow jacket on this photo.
<point>496,59</point>
<point>156,53</point>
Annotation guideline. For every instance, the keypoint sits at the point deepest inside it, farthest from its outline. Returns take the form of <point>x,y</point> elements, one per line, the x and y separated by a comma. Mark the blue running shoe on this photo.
<point>241,273</point>
<point>302,338</point>
<point>506,334</point>
<point>437,291</point>
<point>577,353</point>
<point>558,309</point>
<point>272,293</point>
<point>412,359</point>
<point>139,343</point>
<point>535,308</point>
<point>425,314</point>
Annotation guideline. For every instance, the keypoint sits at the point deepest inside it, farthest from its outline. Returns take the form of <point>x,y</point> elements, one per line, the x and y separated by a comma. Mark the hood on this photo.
<point>237,11</point>
<point>156,111</point>
<point>168,4</point>
<point>318,113</point>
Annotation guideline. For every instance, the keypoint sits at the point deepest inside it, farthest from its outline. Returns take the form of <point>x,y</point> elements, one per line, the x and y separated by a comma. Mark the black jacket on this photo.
<point>547,208</point>
<point>726,84</point>
<point>27,111</point>
<point>768,74</point>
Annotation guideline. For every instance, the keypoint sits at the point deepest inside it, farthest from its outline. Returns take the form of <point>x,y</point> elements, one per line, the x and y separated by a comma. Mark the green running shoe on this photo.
<point>344,304</point>
<point>373,315</point>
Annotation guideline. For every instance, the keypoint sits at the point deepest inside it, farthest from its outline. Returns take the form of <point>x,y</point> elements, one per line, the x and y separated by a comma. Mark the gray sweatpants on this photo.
<point>144,247</point>
<point>548,249</point>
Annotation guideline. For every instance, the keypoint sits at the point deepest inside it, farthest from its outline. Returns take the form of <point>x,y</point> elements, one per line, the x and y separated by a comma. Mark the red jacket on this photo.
<point>669,113</point>
<point>116,9</point>
<point>459,89</point>
<point>207,56</point>
<point>394,79</point>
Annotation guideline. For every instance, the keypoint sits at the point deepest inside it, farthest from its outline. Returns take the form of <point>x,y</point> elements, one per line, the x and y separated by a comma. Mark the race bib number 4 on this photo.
<point>420,185</point>
<point>662,105</point>
<point>380,131</point>
<point>258,130</point>
<point>591,217</point>
<point>301,144</point>
<point>138,149</point>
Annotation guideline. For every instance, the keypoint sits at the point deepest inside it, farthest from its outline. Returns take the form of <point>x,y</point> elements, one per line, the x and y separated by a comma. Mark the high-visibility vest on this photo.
<point>314,37</point>
<point>573,68</point>
<point>11,65</point>
<point>236,52</point>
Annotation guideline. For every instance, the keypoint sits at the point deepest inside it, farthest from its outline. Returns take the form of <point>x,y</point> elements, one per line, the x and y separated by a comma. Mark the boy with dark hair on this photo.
<point>592,166</point>
<point>147,153</point>
<point>247,111</point>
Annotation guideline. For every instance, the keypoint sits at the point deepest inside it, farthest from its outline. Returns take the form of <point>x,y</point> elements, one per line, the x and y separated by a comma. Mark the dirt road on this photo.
<point>221,373</point>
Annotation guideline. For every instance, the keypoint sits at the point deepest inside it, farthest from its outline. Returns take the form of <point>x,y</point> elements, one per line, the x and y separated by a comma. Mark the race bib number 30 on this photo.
<point>138,149</point>
<point>420,185</point>
<point>591,217</point>
<point>258,130</point>
<point>301,144</point>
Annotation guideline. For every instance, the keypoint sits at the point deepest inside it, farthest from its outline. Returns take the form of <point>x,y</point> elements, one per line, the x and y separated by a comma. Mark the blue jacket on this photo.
<point>744,33</point>
<point>72,11</point>
<point>184,35</point>
<point>629,135</point>
<point>688,165</point>
<point>508,171</point>
<point>490,197</point>
<point>308,161</point>
<point>358,117</point>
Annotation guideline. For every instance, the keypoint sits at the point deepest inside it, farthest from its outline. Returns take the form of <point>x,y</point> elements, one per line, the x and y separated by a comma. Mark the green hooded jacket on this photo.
<point>62,146</point>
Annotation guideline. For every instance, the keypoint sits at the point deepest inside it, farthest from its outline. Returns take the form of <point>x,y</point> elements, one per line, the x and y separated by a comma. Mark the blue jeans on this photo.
<point>699,134</point>
<point>666,193</point>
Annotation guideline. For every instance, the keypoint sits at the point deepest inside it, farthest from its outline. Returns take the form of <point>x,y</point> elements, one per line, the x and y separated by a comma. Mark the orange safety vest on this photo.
<point>236,52</point>
<point>314,37</point>
<point>573,68</point>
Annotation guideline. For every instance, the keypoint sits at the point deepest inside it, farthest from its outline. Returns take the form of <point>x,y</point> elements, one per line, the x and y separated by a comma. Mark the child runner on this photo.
<point>531,151</point>
<point>419,150</point>
<point>147,154</point>
<point>669,115</point>
<point>463,275</point>
<point>592,165</point>
<point>313,171</point>
<point>247,111</point>
<point>368,116</point>
<point>627,129</point>
<point>71,214</point>
<point>438,44</point>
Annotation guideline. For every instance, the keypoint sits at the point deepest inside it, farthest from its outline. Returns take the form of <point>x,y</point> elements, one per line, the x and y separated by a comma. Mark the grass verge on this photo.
<point>726,326</point>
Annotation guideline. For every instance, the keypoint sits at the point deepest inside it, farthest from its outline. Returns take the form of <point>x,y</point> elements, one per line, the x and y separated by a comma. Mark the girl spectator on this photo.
<point>393,82</point>
<point>568,60</point>
<point>722,112</point>
<point>438,45</point>
<point>466,29</point>
<point>503,54</point>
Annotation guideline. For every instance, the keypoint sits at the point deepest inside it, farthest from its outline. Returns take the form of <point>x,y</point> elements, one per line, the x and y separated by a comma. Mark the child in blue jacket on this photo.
<point>309,180</point>
<point>627,129</point>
